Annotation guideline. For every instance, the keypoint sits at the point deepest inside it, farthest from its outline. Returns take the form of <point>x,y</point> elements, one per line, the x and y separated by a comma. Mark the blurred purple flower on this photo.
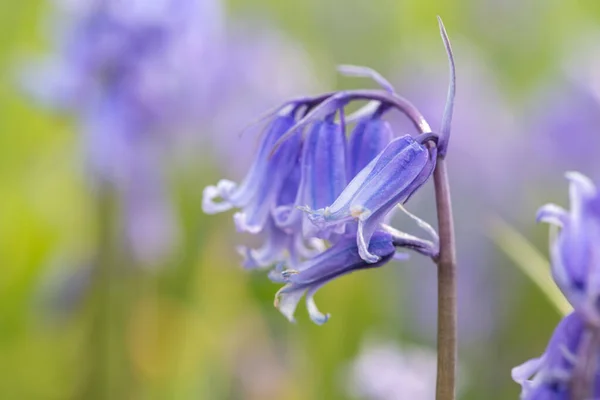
<point>575,252</point>
<point>564,130</point>
<point>576,270</point>
<point>548,377</point>
<point>126,72</point>
<point>384,370</point>
<point>564,116</point>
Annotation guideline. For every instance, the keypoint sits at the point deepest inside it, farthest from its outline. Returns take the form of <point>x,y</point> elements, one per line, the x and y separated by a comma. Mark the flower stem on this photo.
<point>587,364</point>
<point>107,356</point>
<point>446,262</point>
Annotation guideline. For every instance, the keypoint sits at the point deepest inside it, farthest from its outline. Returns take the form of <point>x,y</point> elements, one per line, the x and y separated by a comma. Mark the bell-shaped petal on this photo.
<point>257,195</point>
<point>278,247</point>
<point>391,178</point>
<point>575,252</point>
<point>340,259</point>
<point>368,139</point>
<point>323,177</point>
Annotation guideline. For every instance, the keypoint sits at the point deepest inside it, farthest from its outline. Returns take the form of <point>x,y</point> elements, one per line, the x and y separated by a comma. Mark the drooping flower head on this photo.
<point>321,197</point>
<point>575,269</point>
<point>575,251</point>
<point>340,259</point>
<point>293,170</point>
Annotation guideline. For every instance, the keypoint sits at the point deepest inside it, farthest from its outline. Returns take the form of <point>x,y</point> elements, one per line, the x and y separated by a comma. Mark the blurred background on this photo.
<point>114,115</point>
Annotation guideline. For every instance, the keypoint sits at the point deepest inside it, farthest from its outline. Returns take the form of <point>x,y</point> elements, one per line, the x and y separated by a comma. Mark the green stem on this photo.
<point>107,357</point>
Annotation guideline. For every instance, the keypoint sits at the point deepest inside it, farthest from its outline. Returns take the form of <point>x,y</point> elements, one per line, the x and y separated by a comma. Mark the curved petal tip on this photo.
<point>583,184</point>
<point>552,214</point>
<point>240,220</point>
<point>210,193</point>
<point>315,315</point>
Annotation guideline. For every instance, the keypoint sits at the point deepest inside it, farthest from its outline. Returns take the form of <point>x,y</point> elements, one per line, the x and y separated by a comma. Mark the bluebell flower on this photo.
<point>279,245</point>
<point>322,204</point>
<point>575,262</point>
<point>548,377</point>
<point>293,169</point>
<point>575,252</point>
<point>391,178</point>
<point>340,259</point>
<point>257,195</point>
<point>368,138</point>
<point>323,177</point>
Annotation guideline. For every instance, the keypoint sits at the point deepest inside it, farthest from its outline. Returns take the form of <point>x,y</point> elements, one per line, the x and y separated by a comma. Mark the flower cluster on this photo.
<point>322,197</point>
<point>576,271</point>
<point>324,185</point>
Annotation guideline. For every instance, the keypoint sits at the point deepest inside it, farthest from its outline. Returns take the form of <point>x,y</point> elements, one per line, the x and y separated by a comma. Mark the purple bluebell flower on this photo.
<point>575,252</point>
<point>281,245</point>
<point>323,172</point>
<point>340,259</point>
<point>257,195</point>
<point>575,261</point>
<point>323,177</point>
<point>391,178</point>
<point>548,377</point>
<point>293,169</point>
<point>368,138</point>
